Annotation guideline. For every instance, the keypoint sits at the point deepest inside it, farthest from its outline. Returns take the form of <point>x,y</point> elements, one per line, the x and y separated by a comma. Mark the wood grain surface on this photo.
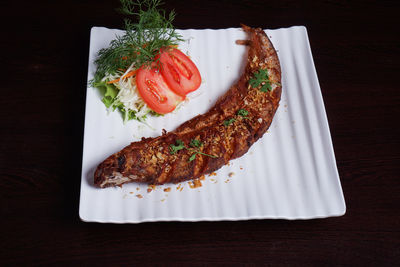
<point>44,54</point>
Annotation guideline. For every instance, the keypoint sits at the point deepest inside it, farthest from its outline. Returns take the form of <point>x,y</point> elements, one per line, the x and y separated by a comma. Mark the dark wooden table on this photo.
<point>44,56</point>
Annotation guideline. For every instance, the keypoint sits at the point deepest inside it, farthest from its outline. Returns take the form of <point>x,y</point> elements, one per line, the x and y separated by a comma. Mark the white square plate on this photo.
<point>290,173</point>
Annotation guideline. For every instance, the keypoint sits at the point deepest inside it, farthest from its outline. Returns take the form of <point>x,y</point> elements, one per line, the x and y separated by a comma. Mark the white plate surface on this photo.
<point>290,173</point>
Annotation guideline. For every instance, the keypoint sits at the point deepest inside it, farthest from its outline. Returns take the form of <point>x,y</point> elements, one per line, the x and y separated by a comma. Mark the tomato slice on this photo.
<point>180,73</point>
<point>155,91</point>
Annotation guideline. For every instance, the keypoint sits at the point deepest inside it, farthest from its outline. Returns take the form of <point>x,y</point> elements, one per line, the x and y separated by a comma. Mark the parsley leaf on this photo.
<point>242,112</point>
<point>266,87</point>
<point>229,122</point>
<point>179,145</point>
<point>261,78</point>
<point>195,143</point>
<point>192,157</point>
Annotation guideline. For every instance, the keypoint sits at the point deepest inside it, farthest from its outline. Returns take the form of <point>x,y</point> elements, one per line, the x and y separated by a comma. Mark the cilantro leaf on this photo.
<point>254,83</point>
<point>192,157</point>
<point>195,143</point>
<point>261,78</point>
<point>242,112</point>
<point>179,145</point>
<point>266,87</point>
<point>229,122</point>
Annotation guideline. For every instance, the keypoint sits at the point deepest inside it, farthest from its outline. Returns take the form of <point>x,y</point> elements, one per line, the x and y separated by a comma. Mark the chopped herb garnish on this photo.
<point>192,157</point>
<point>261,78</point>
<point>179,145</point>
<point>195,143</point>
<point>243,113</point>
<point>229,122</point>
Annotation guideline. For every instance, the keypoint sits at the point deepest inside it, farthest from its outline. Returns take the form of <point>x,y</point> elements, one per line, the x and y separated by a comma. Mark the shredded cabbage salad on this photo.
<point>123,95</point>
<point>117,64</point>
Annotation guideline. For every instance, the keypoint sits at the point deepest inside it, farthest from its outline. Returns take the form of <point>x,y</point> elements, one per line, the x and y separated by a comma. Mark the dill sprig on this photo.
<point>142,40</point>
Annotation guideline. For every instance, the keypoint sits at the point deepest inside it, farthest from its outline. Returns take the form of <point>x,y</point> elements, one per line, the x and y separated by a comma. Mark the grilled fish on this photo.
<point>237,120</point>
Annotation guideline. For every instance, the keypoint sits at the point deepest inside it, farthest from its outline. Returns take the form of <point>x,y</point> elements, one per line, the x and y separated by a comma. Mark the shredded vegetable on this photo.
<point>117,65</point>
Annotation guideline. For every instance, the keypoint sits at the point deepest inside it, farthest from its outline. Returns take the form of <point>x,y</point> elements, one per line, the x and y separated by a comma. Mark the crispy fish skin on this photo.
<point>151,161</point>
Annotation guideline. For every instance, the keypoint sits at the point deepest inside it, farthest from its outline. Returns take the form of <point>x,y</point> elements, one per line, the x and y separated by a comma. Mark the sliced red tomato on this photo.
<point>180,73</point>
<point>155,91</point>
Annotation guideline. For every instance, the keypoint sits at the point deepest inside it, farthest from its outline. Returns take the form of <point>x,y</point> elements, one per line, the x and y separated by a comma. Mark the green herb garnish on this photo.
<point>192,157</point>
<point>243,113</point>
<point>195,143</point>
<point>261,78</point>
<point>142,40</point>
<point>229,122</point>
<point>179,145</point>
